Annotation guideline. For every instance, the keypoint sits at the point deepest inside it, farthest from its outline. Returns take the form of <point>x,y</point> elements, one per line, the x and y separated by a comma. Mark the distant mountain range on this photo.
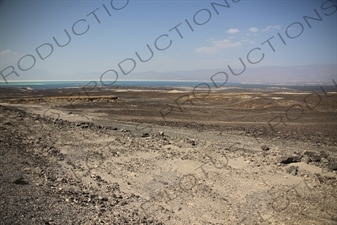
<point>309,74</point>
<point>303,75</point>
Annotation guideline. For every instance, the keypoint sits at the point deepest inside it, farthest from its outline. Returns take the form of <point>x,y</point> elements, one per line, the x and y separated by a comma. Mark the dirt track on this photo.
<point>120,161</point>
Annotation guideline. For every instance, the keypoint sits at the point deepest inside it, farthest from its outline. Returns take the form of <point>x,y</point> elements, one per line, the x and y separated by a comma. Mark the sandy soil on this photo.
<point>168,157</point>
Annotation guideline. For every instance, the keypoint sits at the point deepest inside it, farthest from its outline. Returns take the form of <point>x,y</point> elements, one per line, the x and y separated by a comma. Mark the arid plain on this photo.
<point>169,156</point>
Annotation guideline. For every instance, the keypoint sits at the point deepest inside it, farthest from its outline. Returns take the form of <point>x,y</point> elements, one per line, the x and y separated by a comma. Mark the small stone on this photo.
<point>193,142</point>
<point>324,155</point>
<point>324,160</point>
<point>332,166</point>
<point>123,203</point>
<point>20,181</point>
<point>313,156</point>
<point>292,170</point>
<point>264,147</point>
<point>145,135</point>
<point>306,159</point>
<point>286,159</point>
<point>161,133</point>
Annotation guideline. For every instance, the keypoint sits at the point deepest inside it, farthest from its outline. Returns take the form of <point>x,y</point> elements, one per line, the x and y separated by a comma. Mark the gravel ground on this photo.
<point>114,159</point>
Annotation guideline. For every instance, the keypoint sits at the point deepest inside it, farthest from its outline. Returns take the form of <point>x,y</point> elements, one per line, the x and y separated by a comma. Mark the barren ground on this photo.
<point>168,157</point>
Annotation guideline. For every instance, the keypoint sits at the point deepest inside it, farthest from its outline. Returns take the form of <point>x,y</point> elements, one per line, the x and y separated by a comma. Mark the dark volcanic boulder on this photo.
<point>313,156</point>
<point>332,166</point>
<point>286,159</point>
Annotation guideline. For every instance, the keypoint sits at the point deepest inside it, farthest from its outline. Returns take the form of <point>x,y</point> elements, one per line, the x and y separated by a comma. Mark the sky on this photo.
<point>191,35</point>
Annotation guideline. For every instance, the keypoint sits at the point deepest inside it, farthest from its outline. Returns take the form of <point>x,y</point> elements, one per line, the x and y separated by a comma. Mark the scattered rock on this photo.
<point>20,181</point>
<point>324,161</point>
<point>193,142</point>
<point>324,155</point>
<point>292,170</point>
<point>313,156</point>
<point>123,203</point>
<point>264,147</point>
<point>332,166</point>
<point>286,159</point>
<point>145,135</point>
<point>89,197</point>
<point>306,159</point>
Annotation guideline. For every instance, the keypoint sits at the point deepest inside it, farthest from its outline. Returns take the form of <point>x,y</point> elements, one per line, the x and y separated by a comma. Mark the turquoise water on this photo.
<point>76,84</point>
<point>43,85</point>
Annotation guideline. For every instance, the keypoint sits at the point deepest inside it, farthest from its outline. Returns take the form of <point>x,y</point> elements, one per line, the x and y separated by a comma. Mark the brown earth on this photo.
<point>128,156</point>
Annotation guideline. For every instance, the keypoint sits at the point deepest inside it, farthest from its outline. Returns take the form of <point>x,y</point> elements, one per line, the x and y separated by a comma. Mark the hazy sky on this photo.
<point>108,32</point>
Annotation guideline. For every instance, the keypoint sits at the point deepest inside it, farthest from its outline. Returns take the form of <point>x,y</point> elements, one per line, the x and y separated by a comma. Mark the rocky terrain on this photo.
<point>168,157</point>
